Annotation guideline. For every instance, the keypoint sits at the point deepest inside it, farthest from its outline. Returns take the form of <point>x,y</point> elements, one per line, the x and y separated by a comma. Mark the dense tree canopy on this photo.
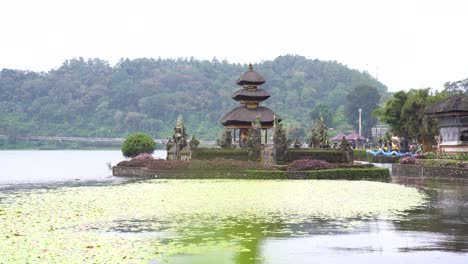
<point>405,115</point>
<point>458,87</point>
<point>92,98</point>
<point>367,98</point>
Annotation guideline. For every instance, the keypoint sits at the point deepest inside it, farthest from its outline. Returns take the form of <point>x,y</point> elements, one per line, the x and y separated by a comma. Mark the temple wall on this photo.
<point>450,134</point>
<point>430,172</point>
<point>450,129</point>
<point>174,174</point>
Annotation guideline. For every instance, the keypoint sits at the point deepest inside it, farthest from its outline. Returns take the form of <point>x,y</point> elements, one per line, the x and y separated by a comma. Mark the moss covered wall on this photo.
<point>374,174</point>
<point>428,171</point>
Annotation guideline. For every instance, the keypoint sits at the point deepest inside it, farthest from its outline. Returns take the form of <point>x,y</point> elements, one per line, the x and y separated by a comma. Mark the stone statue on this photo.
<point>226,139</point>
<point>169,144</point>
<point>345,144</point>
<point>254,142</point>
<point>194,143</point>
<point>280,140</point>
<point>319,137</point>
<point>297,144</point>
<point>178,145</point>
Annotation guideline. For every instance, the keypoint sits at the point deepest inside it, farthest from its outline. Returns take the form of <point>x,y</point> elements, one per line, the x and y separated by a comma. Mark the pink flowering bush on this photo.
<point>143,156</point>
<point>420,156</point>
<point>408,160</point>
<point>309,164</point>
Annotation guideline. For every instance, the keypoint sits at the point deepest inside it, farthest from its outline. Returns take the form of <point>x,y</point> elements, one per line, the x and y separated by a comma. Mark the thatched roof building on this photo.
<point>453,123</point>
<point>250,97</point>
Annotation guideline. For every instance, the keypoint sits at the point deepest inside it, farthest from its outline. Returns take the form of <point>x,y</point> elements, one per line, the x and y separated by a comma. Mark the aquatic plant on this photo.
<point>157,219</point>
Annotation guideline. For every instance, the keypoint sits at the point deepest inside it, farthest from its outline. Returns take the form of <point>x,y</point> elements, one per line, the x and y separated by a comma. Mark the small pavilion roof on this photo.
<point>455,104</point>
<point>251,77</point>
<point>339,136</point>
<point>245,94</point>
<point>354,136</point>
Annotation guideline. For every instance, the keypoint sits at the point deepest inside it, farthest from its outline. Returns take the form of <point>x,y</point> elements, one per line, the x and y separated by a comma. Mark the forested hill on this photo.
<point>92,98</point>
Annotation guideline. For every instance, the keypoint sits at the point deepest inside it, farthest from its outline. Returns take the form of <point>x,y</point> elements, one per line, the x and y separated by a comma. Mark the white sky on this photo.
<point>409,43</point>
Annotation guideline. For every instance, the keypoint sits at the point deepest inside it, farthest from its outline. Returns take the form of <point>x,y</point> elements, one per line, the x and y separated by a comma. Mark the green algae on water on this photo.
<point>157,219</point>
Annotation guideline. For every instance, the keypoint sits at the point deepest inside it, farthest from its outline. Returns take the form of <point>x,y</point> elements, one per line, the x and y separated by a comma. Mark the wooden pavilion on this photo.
<point>453,123</point>
<point>240,119</point>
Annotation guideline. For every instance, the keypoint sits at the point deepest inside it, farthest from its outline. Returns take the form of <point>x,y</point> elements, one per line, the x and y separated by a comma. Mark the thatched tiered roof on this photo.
<point>251,77</point>
<point>250,97</point>
<point>245,94</point>
<point>243,117</point>
<point>452,105</point>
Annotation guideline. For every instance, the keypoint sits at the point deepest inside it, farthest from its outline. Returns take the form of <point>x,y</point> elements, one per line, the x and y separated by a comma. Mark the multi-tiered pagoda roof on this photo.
<point>250,97</point>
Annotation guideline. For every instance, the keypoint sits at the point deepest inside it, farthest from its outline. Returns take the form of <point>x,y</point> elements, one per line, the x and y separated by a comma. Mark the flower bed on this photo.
<point>309,164</point>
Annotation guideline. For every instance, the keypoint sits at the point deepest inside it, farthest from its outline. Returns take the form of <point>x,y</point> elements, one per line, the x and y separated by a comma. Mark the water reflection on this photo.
<point>446,215</point>
<point>436,233</point>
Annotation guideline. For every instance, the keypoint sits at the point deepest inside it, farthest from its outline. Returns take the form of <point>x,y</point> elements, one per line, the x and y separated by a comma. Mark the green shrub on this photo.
<point>368,174</point>
<point>266,175</point>
<point>360,154</point>
<point>374,174</point>
<point>439,162</point>
<point>138,143</point>
<point>438,155</point>
<point>327,155</point>
<point>205,153</point>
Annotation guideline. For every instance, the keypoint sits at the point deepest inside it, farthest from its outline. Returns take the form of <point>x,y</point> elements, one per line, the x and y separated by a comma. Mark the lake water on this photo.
<point>434,233</point>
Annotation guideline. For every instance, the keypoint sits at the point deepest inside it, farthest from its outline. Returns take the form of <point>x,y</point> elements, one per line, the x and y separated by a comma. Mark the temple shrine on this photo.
<point>240,119</point>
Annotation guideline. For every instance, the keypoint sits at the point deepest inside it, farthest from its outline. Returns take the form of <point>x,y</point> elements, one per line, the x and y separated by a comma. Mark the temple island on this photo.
<point>253,145</point>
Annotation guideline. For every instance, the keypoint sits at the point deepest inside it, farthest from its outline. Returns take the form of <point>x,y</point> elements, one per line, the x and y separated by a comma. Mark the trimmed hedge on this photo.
<point>326,155</point>
<point>384,159</point>
<point>207,153</point>
<point>360,154</point>
<point>371,174</point>
<point>374,174</point>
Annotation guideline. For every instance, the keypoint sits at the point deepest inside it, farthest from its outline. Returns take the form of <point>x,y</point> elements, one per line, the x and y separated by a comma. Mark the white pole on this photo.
<point>360,110</point>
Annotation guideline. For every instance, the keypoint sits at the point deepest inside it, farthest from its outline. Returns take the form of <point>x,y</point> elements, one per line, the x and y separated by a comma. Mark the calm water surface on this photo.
<point>437,233</point>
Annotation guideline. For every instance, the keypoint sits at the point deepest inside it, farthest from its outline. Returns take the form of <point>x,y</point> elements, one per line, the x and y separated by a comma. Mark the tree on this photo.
<point>322,111</point>
<point>415,123</point>
<point>391,112</point>
<point>405,115</point>
<point>458,87</point>
<point>364,97</point>
<point>91,98</point>
<point>138,143</point>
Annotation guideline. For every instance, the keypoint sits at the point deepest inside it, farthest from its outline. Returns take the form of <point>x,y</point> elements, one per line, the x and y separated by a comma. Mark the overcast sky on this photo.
<point>405,44</point>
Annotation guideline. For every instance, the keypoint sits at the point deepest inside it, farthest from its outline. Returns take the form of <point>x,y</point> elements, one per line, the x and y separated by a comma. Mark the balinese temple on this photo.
<point>250,96</point>
<point>453,123</point>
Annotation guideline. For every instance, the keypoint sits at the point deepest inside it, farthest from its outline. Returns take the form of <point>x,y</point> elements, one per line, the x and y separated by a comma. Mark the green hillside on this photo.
<point>91,98</point>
